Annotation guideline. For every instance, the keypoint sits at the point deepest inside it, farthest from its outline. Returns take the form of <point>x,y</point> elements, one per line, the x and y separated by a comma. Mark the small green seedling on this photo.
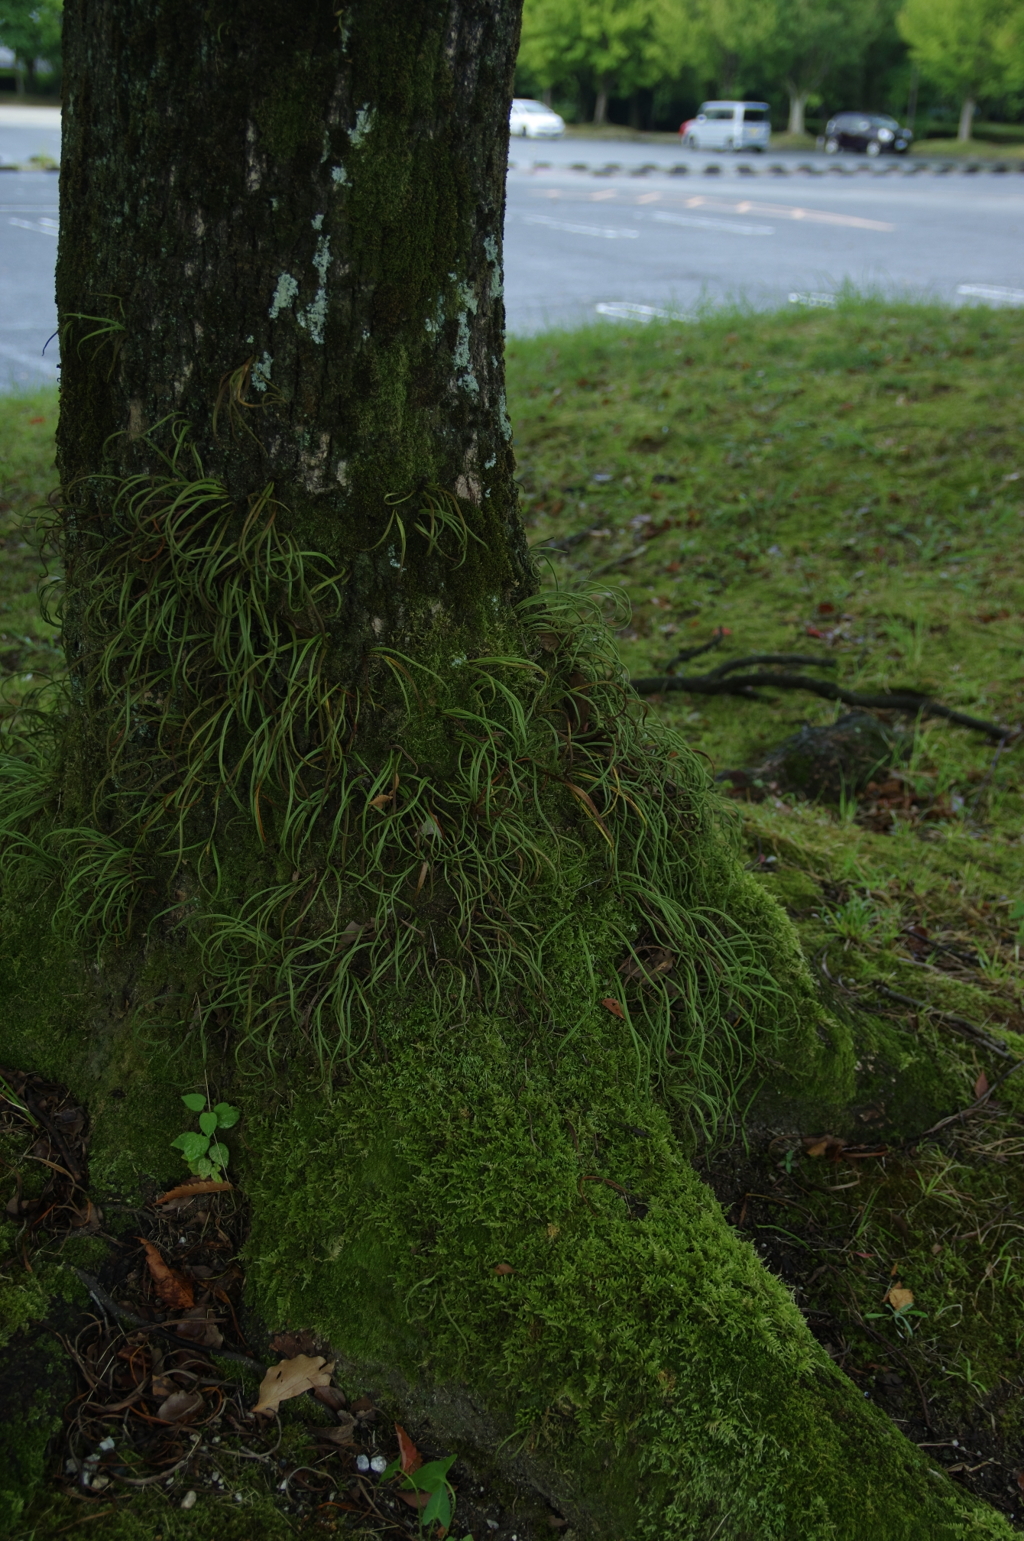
<point>431,1479</point>
<point>206,1156</point>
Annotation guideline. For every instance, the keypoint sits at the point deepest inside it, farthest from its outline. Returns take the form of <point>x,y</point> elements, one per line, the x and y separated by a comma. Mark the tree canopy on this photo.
<point>31,29</point>
<point>963,46</point>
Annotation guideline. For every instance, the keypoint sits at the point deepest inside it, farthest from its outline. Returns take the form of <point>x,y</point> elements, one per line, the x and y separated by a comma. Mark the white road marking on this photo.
<point>822,301</point>
<point>703,223</point>
<point>42,226</point>
<point>992,292</point>
<point>624,310</point>
<point>598,230</point>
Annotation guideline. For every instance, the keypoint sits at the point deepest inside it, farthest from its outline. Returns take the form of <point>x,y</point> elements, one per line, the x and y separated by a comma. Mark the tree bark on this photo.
<point>339,817</point>
<point>967,110</point>
<point>601,102</point>
<point>797,104</point>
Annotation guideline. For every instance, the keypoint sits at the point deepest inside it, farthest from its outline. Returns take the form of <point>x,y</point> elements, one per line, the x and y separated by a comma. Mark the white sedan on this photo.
<point>532,120</point>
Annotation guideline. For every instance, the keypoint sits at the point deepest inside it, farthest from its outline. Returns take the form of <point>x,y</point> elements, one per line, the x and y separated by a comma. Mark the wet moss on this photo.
<point>660,1380</point>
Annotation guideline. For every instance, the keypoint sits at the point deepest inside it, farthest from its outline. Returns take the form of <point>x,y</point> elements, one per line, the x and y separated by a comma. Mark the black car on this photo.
<point>870,133</point>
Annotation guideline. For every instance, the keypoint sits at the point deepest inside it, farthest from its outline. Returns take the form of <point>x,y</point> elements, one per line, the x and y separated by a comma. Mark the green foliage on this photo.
<point>614,45</point>
<point>204,1155</point>
<point>970,48</point>
<point>31,30</point>
<point>432,1479</point>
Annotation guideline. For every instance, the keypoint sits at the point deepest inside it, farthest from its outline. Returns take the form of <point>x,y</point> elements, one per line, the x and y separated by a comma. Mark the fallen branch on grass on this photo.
<point>725,681</point>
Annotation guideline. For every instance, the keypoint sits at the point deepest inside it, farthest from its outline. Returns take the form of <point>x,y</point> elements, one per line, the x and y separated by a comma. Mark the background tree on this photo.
<point>612,47</point>
<point>341,818</point>
<point>31,30</point>
<point>809,38</point>
<point>730,38</point>
<point>961,46</point>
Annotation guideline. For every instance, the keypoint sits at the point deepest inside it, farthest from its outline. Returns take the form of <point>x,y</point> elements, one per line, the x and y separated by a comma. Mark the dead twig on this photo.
<point>724,681</point>
<point>972,1108</point>
<point>117,1313</point>
<point>950,1018</point>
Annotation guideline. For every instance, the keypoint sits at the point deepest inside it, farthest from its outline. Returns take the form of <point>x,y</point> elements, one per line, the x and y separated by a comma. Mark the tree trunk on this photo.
<point>797,104</point>
<point>601,103</point>
<point>967,110</point>
<point>339,819</point>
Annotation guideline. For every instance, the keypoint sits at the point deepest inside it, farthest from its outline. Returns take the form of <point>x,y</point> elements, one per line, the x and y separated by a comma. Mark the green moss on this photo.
<point>638,1344</point>
<point>148,1514</point>
<point>36,1381</point>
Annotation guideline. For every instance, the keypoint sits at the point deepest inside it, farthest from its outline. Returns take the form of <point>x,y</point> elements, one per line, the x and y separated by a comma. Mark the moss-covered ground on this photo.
<point>849,484</point>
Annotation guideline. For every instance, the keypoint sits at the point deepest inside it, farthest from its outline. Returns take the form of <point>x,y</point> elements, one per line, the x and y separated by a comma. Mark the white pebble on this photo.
<point>379,1464</point>
<point>362,1463</point>
<point>105,1444</point>
<point>189,1500</point>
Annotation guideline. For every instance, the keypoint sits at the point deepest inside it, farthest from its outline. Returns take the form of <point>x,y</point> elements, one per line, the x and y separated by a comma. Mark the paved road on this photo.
<point>28,247</point>
<point>623,241</point>
<point>617,240</point>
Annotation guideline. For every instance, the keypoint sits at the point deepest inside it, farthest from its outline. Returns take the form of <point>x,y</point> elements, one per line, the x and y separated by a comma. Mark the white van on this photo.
<point>729,126</point>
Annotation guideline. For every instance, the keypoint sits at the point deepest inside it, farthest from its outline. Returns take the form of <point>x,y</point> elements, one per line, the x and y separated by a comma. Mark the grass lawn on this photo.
<point>847,485</point>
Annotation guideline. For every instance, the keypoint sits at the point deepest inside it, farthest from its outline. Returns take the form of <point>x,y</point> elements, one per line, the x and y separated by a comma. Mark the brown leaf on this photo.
<point>344,1434</point>
<point>503,1268</point>
<point>189,1190</point>
<point>364,1409</point>
<point>331,1397</point>
<point>414,1500</point>
<point>410,1456</point>
<point>291,1378</point>
<point>180,1406</point>
<point>899,1297</point>
<point>288,1344</point>
<point>198,1328</point>
<point>612,1005</point>
<point>171,1287</point>
<point>823,1145</point>
<point>163,1385</point>
<point>980,1086</point>
<point>381,801</point>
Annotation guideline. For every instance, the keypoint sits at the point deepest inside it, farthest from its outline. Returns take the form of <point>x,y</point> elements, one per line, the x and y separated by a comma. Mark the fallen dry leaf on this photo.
<point>189,1190</point>
<point>414,1500</point>
<point>823,1145</point>
<point>503,1268</point>
<point>331,1397</point>
<point>172,1287</point>
<point>198,1328</point>
<point>343,1434</point>
<point>291,1378</point>
<point>980,1086</point>
<point>900,1297</point>
<point>612,1005</point>
<point>289,1344</point>
<point>410,1456</point>
<point>179,1406</point>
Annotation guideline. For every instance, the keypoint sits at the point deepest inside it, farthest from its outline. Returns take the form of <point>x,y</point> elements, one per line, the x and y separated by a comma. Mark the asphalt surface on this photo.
<point>28,248</point>
<point>634,233</point>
